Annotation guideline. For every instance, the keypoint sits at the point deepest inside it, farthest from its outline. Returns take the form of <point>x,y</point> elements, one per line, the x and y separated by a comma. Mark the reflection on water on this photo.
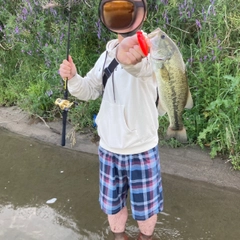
<point>36,223</point>
<point>33,173</point>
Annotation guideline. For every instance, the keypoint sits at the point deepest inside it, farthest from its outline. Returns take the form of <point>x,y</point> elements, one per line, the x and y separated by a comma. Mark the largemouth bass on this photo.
<point>169,71</point>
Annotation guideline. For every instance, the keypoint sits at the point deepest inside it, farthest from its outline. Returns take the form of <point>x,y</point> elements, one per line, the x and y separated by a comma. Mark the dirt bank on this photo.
<point>188,162</point>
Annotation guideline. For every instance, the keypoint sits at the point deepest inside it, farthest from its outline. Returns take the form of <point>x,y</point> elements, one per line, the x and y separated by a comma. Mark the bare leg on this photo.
<point>147,228</point>
<point>117,224</point>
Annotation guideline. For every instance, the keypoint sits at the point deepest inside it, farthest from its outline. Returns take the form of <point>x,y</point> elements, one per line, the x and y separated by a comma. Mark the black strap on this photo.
<point>107,72</point>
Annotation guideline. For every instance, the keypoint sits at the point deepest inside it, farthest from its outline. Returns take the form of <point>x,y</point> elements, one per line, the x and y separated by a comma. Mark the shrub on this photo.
<point>33,44</point>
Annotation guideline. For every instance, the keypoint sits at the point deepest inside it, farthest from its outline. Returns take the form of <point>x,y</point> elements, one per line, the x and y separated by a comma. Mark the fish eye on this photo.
<point>163,36</point>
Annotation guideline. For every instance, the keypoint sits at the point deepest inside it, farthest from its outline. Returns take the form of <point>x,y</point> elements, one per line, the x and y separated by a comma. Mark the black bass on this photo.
<point>169,71</point>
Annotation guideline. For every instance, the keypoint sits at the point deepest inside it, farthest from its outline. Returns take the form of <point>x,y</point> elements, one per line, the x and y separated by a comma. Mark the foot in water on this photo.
<point>120,236</point>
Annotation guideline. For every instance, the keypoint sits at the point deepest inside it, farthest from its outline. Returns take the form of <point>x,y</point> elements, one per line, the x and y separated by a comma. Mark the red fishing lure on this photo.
<point>142,43</point>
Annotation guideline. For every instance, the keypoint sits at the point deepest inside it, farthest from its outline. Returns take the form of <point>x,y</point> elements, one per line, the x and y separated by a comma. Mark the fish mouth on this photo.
<point>159,58</point>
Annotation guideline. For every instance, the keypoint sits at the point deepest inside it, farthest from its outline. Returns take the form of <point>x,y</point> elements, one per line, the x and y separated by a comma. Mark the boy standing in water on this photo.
<point>127,121</point>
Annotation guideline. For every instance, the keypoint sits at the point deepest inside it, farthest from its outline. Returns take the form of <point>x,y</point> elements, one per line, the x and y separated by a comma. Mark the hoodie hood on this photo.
<point>111,47</point>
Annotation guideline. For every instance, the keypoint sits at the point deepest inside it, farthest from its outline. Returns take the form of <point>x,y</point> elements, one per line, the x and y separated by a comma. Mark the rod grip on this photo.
<point>64,125</point>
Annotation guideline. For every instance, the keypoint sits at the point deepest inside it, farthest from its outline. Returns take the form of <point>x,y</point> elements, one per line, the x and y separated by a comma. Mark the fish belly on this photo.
<point>173,94</point>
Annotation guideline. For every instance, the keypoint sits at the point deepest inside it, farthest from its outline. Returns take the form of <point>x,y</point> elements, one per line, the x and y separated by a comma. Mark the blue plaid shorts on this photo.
<point>138,173</point>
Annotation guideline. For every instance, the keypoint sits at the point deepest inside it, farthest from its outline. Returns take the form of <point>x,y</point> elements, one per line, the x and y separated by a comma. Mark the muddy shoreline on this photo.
<point>188,162</point>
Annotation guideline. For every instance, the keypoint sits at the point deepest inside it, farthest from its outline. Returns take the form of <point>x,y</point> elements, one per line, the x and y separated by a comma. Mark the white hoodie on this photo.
<point>127,121</point>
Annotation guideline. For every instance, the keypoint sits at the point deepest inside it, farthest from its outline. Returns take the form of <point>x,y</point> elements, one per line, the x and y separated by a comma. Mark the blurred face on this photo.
<point>123,16</point>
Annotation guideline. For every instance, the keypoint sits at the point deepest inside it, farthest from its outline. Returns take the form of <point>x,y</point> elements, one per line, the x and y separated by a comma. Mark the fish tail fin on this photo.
<point>180,135</point>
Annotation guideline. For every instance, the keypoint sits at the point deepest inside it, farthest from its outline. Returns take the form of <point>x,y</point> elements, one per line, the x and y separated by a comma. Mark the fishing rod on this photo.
<point>65,110</point>
<point>64,104</point>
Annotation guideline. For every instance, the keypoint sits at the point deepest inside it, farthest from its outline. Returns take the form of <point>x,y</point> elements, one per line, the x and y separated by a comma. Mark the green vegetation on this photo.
<point>33,44</point>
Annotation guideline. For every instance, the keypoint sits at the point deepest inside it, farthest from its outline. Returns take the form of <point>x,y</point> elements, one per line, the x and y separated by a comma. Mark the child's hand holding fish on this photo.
<point>129,51</point>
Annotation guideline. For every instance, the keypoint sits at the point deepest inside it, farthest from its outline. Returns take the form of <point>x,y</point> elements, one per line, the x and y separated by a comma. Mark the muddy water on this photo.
<point>51,193</point>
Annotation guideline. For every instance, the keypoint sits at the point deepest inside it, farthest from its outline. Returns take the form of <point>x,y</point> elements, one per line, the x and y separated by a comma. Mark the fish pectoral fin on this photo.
<point>161,110</point>
<point>189,103</point>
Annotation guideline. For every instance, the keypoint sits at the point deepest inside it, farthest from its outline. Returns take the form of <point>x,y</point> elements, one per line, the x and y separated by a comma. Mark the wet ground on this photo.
<point>51,193</point>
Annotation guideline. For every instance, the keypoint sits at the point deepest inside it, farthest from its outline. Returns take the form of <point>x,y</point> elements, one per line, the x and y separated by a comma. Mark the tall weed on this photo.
<point>33,43</point>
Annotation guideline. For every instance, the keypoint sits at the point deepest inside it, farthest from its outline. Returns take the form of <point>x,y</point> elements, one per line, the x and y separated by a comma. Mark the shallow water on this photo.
<point>33,173</point>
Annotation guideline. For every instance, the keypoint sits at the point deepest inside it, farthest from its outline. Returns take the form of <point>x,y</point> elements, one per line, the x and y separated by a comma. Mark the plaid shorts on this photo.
<point>138,173</point>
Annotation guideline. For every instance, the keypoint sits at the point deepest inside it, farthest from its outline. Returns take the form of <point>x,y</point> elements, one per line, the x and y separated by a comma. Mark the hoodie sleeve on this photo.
<point>140,70</point>
<point>90,86</point>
